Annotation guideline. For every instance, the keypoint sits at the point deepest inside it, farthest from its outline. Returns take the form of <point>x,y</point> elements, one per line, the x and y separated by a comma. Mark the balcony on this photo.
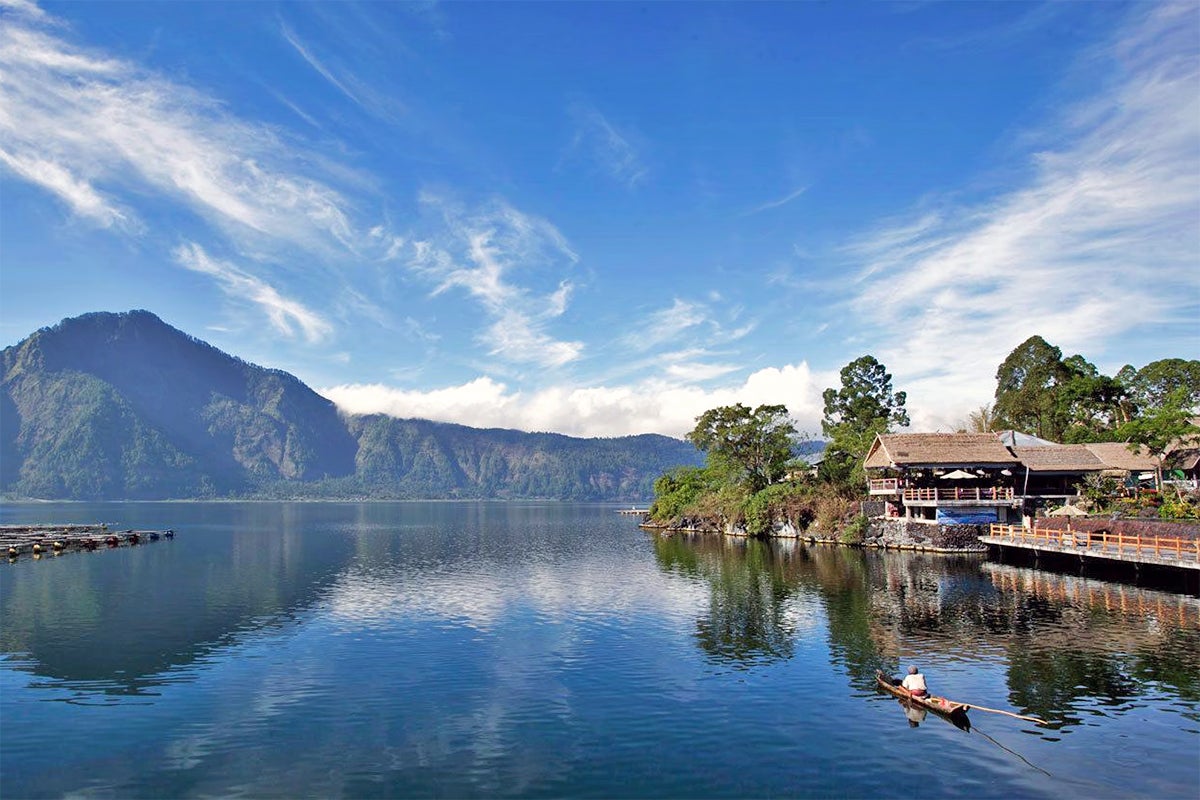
<point>883,486</point>
<point>958,494</point>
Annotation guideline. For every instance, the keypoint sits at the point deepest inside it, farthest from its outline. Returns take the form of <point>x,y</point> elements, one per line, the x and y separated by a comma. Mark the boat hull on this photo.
<point>956,712</point>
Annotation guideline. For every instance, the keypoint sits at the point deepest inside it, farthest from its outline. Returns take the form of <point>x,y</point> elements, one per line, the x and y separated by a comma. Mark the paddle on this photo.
<point>1007,714</point>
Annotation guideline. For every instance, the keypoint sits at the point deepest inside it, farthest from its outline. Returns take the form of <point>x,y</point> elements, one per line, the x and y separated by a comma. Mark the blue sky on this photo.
<point>605,218</point>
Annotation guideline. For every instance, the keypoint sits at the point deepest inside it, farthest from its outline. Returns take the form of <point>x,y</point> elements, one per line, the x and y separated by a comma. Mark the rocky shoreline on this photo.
<point>880,534</point>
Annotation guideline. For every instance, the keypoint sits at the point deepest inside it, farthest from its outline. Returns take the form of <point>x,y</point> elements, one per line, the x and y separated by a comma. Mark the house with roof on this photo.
<point>1181,468</point>
<point>944,477</point>
<point>962,478</point>
<point>1051,472</point>
<point>1181,464</point>
<point>1135,468</point>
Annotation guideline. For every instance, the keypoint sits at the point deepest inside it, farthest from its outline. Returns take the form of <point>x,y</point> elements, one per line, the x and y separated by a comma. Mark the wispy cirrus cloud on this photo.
<point>24,8</point>
<point>361,93</point>
<point>777,203</point>
<point>77,192</point>
<point>493,254</point>
<point>305,52</point>
<point>288,316</point>
<point>659,405</point>
<point>605,146</point>
<point>102,134</point>
<point>694,321</point>
<point>1100,241</point>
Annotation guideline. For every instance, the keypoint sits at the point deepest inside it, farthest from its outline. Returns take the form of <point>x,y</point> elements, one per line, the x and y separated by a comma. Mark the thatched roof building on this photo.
<point>938,450</point>
<point>1059,458</point>
<point>1118,456</point>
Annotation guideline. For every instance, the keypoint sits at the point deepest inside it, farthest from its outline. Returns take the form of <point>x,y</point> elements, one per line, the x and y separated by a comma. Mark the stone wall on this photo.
<point>908,535</point>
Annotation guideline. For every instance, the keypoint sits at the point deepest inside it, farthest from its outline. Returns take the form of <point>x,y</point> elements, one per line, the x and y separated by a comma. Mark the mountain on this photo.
<point>123,406</point>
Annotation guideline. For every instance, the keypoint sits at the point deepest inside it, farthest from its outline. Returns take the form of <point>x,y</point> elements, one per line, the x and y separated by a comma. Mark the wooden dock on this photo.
<point>641,512</point>
<point>39,540</point>
<point>1163,551</point>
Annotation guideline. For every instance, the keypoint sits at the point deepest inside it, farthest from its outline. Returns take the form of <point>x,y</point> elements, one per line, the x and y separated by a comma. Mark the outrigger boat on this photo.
<point>955,712</point>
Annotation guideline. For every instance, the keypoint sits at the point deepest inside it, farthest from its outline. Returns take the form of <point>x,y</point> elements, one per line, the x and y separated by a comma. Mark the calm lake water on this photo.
<point>441,649</point>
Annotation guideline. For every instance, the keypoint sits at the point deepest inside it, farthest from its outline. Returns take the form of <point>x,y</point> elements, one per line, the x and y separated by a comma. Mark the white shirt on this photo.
<point>914,683</point>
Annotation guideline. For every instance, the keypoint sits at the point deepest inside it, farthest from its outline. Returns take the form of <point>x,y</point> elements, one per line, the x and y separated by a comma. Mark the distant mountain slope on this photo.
<point>420,458</point>
<point>124,406</point>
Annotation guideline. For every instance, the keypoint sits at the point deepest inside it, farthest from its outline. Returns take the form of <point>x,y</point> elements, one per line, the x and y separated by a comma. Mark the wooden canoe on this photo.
<point>956,712</point>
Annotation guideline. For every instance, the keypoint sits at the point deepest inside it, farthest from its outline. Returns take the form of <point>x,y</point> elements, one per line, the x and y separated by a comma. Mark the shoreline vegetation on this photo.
<point>753,485</point>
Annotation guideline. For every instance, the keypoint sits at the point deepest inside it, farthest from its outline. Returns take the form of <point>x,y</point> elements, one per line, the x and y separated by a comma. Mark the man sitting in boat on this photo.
<point>914,681</point>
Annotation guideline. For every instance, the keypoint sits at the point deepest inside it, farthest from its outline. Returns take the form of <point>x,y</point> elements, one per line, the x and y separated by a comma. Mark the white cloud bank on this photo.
<point>653,406</point>
<point>1103,240</point>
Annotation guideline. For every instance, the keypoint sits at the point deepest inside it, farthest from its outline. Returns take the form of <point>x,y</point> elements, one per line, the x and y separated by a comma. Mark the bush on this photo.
<point>855,531</point>
<point>832,512</point>
<point>1179,507</point>
<point>677,492</point>
<point>1101,490</point>
<point>780,502</point>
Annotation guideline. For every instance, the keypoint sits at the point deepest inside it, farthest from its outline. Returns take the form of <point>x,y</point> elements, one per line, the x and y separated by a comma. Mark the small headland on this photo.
<point>42,540</point>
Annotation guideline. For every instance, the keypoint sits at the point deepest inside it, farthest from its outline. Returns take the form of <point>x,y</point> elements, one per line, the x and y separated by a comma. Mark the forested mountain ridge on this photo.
<point>123,406</point>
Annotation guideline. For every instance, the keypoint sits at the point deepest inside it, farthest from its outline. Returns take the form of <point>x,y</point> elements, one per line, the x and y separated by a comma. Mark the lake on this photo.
<point>538,649</point>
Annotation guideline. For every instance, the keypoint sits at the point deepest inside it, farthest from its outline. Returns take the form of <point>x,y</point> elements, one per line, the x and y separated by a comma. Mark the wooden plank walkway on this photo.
<point>38,540</point>
<point>1167,551</point>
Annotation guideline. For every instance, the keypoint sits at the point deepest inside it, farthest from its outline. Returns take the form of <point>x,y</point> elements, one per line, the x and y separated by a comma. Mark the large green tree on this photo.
<point>862,408</point>
<point>1173,381</point>
<point>1158,428</point>
<point>1088,406</point>
<point>754,445</point>
<point>1027,384</point>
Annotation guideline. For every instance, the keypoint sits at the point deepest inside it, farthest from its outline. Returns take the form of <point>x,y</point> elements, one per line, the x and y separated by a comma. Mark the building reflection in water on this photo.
<point>1068,645</point>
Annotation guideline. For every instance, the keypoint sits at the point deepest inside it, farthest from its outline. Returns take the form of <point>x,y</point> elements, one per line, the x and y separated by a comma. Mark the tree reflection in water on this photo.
<point>1067,645</point>
<point>750,583</point>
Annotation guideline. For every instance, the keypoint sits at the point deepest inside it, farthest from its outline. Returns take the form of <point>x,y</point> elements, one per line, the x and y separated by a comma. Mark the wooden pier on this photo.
<point>641,512</point>
<point>1163,551</point>
<point>39,540</point>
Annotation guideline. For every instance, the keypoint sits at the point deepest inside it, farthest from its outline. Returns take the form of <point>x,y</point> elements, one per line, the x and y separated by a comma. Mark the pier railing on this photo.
<point>1124,545</point>
<point>959,493</point>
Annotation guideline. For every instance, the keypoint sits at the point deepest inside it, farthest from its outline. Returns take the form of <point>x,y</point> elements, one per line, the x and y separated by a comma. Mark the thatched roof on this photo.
<point>1059,458</point>
<point>938,450</point>
<point>1184,459</point>
<point>1117,455</point>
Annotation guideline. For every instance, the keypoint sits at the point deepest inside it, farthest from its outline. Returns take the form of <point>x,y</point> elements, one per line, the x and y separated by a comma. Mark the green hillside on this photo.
<point>123,406</point>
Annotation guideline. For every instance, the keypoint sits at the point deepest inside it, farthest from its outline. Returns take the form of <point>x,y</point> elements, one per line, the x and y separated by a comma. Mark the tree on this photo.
<point>864,407</point>
<point>754,445</point>
<point>982,419</point>
<point>1159,427</point>
<point>1027,383</point>
<point>1088,406</point>
<point>1154,384</point>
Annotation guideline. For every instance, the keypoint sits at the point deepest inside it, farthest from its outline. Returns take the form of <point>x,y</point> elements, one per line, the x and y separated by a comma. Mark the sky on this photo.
<point>603,219</point>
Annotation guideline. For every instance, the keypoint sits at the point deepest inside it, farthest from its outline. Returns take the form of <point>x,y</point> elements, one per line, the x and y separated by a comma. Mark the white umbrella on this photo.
<point>956,475</point>
<point>1067,511</point>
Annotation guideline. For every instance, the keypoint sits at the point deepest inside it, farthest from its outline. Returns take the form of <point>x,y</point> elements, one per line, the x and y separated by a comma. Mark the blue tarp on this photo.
<point>967,516</point>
